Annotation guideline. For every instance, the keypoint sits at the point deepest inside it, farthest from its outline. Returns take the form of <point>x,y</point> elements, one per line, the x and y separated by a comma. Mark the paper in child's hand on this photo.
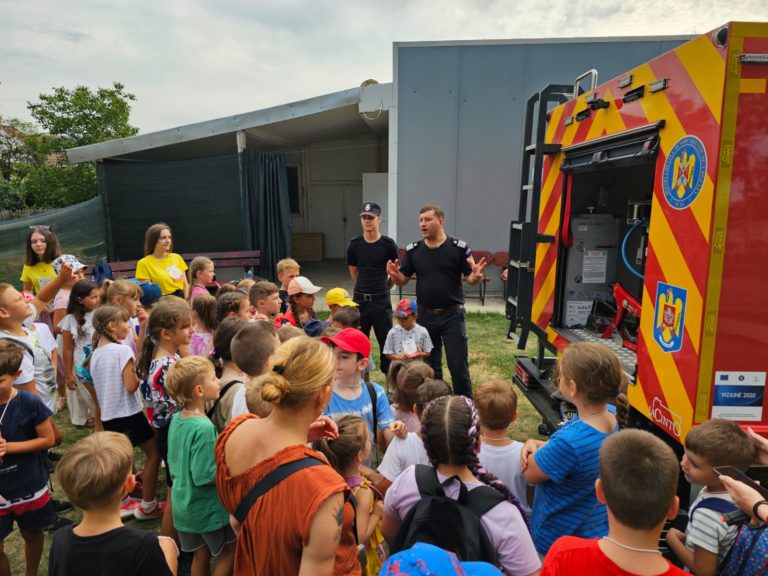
<point>409,348</point>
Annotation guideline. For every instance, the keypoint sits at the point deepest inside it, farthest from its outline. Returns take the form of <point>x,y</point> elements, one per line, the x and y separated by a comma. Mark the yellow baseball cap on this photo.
<point>339,297</point>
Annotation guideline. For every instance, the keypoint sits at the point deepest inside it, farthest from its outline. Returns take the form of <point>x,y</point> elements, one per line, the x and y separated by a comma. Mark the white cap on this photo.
<point>302,285</point>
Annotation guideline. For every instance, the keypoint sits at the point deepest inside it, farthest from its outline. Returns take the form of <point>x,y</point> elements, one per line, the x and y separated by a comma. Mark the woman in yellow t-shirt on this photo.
<point>42,249</point>
<point>160,265</point>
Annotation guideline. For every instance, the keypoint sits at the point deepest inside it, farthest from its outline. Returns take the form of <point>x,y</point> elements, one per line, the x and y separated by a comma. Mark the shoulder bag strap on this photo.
<point>223,391</point>
<point>270,481</point>
<point>372,394</point>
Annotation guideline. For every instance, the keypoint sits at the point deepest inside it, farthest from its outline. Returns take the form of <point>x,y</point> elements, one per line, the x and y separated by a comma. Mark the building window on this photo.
<point>294,190</point>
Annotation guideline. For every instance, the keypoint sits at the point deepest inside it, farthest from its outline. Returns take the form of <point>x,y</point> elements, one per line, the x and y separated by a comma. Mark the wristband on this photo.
<point>757,506</point>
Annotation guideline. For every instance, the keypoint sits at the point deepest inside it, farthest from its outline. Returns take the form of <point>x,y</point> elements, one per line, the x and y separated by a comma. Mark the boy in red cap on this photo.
<point>351,394</point>
<point>407,340</point>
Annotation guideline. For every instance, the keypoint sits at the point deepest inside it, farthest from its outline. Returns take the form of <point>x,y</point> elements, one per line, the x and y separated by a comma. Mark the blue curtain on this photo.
<point>265,180</point>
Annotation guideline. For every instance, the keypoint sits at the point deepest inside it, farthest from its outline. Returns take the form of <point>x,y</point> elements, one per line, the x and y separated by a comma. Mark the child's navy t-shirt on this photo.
<point>22,474</point>
<point>566,504</point>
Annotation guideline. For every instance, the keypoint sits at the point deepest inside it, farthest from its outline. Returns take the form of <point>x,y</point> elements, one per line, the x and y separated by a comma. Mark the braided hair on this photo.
<point>102,317</point>
<point>450,432</point>
<point>294,310</point>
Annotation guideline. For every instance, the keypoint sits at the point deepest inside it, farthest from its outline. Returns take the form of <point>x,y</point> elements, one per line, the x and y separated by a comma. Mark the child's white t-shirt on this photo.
<point>107,364</point>
<point>401,453</point>
<point>38,366</point>
<point>239,405</point>
<point>69,324</point>
<point>504,463</point>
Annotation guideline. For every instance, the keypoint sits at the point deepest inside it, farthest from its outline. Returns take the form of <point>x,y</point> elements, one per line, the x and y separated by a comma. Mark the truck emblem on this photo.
<point>669,324</point>
<point>685,170</point>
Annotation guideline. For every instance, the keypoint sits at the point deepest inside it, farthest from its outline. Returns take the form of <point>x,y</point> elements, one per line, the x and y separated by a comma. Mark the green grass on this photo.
<point>491,356</point>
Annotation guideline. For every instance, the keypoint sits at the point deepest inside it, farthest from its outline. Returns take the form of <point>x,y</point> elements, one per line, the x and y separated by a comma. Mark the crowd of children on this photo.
<point>269,429</point>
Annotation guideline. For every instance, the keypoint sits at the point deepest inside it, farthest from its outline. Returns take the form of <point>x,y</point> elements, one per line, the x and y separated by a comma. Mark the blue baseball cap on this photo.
<point>425,559</point>
<point>150,292</point>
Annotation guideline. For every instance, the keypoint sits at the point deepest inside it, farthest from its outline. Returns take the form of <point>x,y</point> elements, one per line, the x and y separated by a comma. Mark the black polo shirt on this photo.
<point>438,271</point>
<point>371,260</point>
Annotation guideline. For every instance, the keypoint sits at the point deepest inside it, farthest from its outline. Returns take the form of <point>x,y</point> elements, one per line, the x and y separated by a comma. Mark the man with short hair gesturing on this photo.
<point>439,263</point>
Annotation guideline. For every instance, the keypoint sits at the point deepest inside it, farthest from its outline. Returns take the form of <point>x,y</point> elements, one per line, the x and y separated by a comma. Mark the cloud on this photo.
<point>192,60</point>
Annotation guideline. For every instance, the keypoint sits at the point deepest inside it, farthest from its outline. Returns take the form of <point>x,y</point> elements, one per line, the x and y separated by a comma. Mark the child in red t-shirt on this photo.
<point>638,481</point>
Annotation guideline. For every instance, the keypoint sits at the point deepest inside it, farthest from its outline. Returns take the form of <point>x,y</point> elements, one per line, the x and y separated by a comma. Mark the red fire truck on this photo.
<point>641,226</point>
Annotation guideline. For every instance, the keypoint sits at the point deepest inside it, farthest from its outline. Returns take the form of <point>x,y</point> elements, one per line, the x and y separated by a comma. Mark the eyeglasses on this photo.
<point>40,226</point>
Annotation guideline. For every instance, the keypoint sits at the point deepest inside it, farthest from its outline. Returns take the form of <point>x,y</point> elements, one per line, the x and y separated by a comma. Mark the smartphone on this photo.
<point>737,474</point>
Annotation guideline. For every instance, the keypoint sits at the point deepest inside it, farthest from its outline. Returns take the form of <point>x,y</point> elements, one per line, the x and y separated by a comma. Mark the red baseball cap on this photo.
<point>351,340</point>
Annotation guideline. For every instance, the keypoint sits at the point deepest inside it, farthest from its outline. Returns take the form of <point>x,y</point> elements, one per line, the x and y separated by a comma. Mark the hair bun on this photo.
<point>274,388</point>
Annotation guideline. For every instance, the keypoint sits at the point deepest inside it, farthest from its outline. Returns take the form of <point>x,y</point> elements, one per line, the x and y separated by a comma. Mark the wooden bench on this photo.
<point>247,259</point>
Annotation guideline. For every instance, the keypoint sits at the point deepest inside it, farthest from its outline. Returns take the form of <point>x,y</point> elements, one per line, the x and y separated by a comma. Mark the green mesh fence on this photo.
<point>79,228</point>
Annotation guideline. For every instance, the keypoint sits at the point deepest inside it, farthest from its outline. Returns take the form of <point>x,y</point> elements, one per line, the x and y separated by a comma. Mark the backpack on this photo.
<point>749,554</point>
<point>102,271</point>
<point>453,525</point>
<point>210,412</point>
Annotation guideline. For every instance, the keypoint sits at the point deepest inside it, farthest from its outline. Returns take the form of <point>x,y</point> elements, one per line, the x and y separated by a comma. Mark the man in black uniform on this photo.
<point>439,263</point>
<point>367,258</point>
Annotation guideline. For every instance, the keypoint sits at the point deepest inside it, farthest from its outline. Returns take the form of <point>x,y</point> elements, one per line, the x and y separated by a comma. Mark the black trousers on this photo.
<point>377,314</point>
<point>450,330</point>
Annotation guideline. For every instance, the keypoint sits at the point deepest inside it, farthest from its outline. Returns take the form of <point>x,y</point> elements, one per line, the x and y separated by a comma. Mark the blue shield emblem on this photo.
<point>669,323</point>
<point>685,170</point>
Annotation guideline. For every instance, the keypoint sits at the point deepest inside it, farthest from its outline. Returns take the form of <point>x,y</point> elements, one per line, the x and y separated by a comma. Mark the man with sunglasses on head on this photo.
<point>367,258</point>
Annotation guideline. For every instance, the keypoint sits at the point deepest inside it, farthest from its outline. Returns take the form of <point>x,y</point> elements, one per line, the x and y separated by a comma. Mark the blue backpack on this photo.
<point>749,554</point>
<point>102,271</point>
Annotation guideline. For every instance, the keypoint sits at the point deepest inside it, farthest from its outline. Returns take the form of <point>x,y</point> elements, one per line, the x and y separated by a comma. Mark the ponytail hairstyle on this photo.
<point>81,289</point>
<point>342,452</point>
<point>52,248</point>
<point>404,380</point>
<point>102,316</point>
<point>299,369</point>
<point>111,289</point>
<point>198,264</point>
<point>222,341</point>
<point>292,305</point>
<point>430,389</point>
<point>205,308</point>
<point>168,315</point>
<point>451,433</point>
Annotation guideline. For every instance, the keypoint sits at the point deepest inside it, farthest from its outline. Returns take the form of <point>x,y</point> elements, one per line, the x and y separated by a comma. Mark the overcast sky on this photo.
<point>188,61</point>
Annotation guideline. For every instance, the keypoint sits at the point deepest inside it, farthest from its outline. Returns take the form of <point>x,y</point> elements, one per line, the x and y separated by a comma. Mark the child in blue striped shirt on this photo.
<point>565,468</point>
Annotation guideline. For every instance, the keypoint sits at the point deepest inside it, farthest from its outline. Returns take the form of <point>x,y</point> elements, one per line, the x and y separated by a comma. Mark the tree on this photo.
<point>81,116</point>
<point>13,147</point>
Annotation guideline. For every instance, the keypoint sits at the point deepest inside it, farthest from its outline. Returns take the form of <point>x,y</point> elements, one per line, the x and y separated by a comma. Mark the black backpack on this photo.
<point>453,525</point>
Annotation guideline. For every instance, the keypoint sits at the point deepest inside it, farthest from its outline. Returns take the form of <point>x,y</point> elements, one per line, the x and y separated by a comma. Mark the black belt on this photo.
<point>371,297</point>
<point>440,311</point>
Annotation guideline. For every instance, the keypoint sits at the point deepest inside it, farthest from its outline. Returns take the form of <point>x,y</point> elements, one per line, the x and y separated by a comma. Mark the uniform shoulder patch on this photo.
<point>459,243</point>
<point>413,245</point>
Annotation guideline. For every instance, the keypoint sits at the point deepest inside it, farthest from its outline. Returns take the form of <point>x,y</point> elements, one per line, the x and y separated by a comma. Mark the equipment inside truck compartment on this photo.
<point>603,249</point>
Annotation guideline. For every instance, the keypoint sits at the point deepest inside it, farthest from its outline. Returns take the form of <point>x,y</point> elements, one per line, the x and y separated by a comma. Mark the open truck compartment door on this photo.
<point>655,196</point>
